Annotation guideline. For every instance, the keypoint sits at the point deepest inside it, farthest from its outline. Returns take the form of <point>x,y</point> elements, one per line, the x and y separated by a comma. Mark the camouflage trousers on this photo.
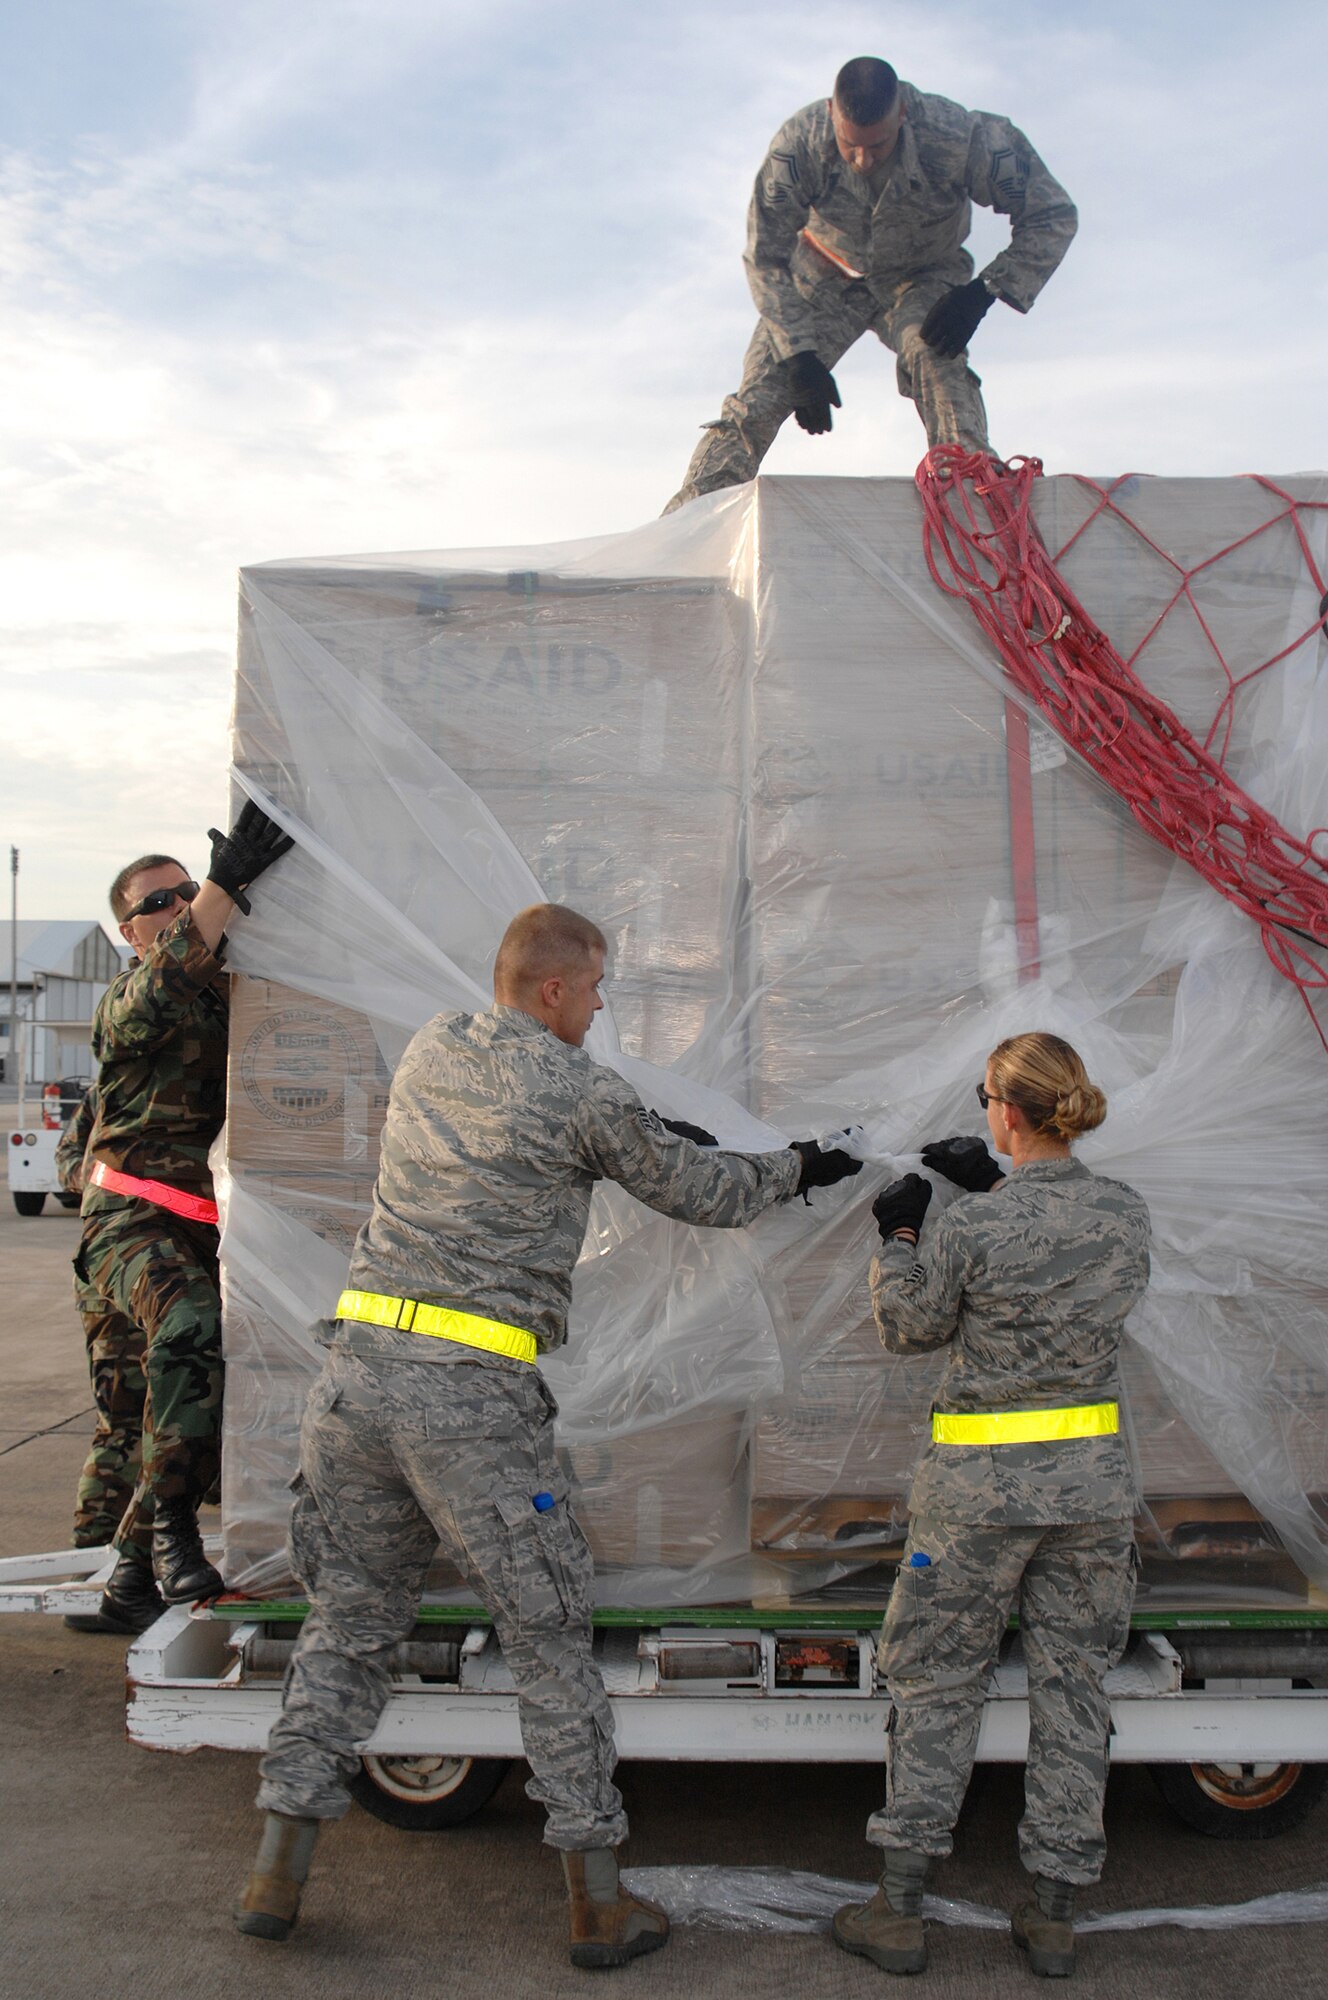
<point>119,1390</point>
<point>947,393</point>
<point>158,1273</point>
<point>1073,1586</point>
<point>396,1457</point>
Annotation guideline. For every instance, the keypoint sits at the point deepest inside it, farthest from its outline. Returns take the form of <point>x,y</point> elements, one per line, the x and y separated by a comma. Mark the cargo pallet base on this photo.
<point>1229,1707</point>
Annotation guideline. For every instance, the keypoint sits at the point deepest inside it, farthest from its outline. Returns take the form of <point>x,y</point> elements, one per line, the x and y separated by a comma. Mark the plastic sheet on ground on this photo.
<point>794,1899</point>
<point>758,746</point>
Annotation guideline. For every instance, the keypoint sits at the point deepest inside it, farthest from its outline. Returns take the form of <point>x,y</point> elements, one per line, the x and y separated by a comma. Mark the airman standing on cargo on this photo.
<point>149,1249</point>
<point>857,225</point>
<point>1024,1498</point>
<point>430,1422</point>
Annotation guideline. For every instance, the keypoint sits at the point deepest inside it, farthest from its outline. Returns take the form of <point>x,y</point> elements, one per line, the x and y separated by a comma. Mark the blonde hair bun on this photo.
<point>1046,1078</point>
<point>1080,1109</point>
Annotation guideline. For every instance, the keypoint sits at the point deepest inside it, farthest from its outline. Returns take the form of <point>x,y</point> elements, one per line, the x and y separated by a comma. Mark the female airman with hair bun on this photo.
<point>1045,1077</point>
<point>1025,1495</point>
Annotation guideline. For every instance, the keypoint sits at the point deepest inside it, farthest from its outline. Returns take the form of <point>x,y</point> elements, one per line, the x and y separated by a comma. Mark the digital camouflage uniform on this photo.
<point>115,1368</point>
<point>496,1133</point>
<point>1031,1283</point>
<point>902,229</point>
<point>159,1038</point>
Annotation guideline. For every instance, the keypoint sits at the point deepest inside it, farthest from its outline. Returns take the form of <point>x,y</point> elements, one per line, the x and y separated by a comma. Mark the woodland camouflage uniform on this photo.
<point>115,1368</point>
<point>159,1038</point>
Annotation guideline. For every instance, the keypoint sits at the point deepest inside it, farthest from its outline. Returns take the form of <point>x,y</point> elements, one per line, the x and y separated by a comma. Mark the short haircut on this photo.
<point>1046,1078</point>
<point>542,942</point>
<point>866,89</point>
<point>121,900</point>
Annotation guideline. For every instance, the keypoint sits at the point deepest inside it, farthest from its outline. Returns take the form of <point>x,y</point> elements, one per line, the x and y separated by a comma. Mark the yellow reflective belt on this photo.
<point>1024,1426</point>
<point>377,1309</point>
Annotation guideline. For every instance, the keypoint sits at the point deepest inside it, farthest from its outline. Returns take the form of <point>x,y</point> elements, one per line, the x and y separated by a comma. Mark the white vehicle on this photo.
<point>32,1143</point>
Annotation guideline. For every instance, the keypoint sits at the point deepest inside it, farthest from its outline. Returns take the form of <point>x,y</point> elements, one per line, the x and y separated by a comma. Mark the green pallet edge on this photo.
<point>280,1609</point>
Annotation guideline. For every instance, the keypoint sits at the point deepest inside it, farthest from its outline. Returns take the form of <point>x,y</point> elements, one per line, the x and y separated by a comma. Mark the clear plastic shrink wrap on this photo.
<point>758,746</point>
<point>793,1899</point>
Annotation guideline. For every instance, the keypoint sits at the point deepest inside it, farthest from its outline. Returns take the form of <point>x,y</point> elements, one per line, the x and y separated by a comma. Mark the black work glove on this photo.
<point>965,1161</point>
<point>814,391</point>
<point>953,320</point>
<point>902,1205</point>
<point>822,1169</point>
<point>240,856</point>
<point>682,1130</point>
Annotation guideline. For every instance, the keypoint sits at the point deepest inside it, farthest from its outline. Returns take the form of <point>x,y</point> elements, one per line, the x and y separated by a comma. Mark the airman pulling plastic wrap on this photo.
<point>160,1038</point>
<point>431,1421</point>
<point>115,1370</point>
<point>148,1254</point>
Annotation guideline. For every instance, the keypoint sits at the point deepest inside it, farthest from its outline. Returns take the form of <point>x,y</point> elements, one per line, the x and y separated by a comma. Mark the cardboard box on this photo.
<point>673,1494</point>
<point>306,1085</point>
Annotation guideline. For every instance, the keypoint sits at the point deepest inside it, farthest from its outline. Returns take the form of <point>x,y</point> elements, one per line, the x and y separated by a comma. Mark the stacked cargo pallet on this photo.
<point>774,764</point>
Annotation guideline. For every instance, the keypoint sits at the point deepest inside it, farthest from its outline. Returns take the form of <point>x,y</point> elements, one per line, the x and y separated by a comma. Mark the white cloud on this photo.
<point>410,275</point>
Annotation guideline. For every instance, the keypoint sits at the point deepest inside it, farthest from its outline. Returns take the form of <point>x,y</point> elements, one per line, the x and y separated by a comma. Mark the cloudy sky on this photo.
<point>314,277</point>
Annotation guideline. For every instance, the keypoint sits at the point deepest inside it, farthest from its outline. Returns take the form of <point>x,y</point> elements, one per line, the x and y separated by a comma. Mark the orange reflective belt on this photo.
<point>192,1206</point>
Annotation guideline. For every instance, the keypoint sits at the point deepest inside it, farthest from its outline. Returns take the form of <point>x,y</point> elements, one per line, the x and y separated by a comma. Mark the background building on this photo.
<point>62,971</point>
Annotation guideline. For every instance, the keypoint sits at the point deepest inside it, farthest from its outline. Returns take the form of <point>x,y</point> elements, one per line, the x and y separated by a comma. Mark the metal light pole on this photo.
<point>13,955</point>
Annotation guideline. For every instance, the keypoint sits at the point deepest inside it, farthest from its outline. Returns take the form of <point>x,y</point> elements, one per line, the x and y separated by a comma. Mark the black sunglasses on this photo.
<point>985,1098</point>
<point>161,899</point>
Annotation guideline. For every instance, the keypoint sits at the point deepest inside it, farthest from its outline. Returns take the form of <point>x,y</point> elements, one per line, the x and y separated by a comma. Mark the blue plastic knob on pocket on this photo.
<point>918,1561</point>
<point>541,1502</point>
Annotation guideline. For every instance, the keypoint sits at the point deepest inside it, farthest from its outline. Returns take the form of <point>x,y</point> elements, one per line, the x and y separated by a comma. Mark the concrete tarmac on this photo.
<point>118,1865</point>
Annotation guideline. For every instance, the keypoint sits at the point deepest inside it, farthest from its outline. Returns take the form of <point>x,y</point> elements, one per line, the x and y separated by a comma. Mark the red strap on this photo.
<point>831,256</point>
<point>192,1206</point>
<point>982,543</point>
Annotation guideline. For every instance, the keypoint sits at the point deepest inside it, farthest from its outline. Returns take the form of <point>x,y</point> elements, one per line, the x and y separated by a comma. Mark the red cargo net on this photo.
<point>982,544</point>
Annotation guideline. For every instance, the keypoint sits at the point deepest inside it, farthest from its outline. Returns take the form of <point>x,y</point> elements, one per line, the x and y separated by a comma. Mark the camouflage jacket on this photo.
<point>73,1144</point>
<point>1031,1284</point>
<point>496,1133</point>
<point>159,1039</point>
<point>912,215</point>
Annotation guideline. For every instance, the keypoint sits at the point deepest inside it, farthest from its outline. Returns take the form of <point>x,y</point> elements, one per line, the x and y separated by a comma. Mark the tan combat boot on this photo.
<point>609,1927</point>
<point>1044,1928</point>
<point>271,1900</point>
<point>888,1930</point>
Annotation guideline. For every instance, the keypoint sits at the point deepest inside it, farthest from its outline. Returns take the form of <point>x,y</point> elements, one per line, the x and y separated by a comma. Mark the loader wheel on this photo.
<point>427,1794</point>
<point>1241,1801</point>
<point>29,1204</point>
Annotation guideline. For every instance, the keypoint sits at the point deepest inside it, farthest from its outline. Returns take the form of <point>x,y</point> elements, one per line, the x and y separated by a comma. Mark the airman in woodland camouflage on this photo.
<point>148,1258</point>
<point>857,224</point>
<point>430,1422</point>
<point>115,1368</point>
<point>1023,1499</point>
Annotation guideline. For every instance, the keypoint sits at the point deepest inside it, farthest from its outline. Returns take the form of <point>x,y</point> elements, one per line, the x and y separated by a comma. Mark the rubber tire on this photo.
<point>69,1200</point>
<point>29,1204</point>
<point>1259,1809</point>
<point>458,1796</point>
